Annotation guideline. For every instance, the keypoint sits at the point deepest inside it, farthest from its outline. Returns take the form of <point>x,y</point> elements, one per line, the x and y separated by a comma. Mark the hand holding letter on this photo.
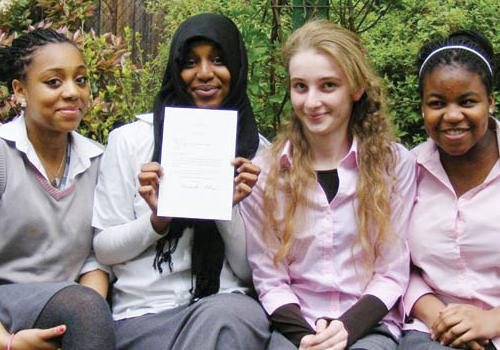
<point>246,178</point>
<point>149,179</point>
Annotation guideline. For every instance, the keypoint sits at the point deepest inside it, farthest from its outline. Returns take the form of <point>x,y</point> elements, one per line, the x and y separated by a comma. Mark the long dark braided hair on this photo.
<point>18,56</point>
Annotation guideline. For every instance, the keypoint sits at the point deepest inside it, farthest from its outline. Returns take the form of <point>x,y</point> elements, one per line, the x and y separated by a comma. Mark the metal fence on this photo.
<point>114,16</point>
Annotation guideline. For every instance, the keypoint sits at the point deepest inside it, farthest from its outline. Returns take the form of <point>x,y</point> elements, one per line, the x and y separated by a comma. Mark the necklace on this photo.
<point>56,178</point>
<point>56,182</point>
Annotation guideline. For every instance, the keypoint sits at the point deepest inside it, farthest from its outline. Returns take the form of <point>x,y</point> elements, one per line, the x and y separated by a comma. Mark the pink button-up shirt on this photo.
<point>323,272</point>
<point>454,241</point>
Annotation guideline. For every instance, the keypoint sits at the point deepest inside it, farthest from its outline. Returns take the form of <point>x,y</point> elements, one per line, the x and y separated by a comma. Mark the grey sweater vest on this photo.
<point>45,235</point>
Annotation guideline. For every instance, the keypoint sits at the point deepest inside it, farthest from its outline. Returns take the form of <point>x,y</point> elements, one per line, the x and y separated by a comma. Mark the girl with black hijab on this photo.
<point>181,283</point>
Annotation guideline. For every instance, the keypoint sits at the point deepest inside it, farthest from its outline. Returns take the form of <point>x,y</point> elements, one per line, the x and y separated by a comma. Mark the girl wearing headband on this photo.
<point>326,222</point>
<point>453,298</point>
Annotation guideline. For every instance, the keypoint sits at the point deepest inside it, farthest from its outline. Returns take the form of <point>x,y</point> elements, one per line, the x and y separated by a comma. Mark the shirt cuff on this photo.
<point>416,289</point>
<point>276,298</point>
<point>91,264</point>
<point>151,236</point>
<point>388,294</point>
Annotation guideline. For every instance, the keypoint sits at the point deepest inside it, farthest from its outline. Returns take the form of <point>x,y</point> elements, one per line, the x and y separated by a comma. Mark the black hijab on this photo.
<point>208,247</point>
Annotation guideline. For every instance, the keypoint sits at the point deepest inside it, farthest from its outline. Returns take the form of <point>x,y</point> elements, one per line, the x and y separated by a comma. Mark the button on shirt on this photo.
<point>455,242</point>
<point>323,272</point>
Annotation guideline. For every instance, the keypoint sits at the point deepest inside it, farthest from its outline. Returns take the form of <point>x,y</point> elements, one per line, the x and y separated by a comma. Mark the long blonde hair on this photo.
<point>369,123</point>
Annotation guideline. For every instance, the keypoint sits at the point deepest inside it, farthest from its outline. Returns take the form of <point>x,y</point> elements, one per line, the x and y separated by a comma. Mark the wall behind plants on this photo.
<point>123,86</point>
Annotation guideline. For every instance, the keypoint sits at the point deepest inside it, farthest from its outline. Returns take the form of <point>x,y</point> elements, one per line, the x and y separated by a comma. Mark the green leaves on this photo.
<point>119,88</point>
<point>393,45</point>
<point>392,33</point>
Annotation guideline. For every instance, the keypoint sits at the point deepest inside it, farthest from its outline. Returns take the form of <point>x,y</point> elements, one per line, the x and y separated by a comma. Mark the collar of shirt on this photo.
<point>349,160</point>
<point>82,148</point>
<point>147,117</point>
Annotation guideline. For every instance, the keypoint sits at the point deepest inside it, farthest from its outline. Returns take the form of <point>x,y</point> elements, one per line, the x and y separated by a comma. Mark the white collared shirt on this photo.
<point>127,240</point>
<point>82,148</point>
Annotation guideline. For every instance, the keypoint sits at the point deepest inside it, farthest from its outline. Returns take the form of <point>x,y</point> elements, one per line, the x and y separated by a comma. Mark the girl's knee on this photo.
<point>79,304</point>
<point>79,296</point>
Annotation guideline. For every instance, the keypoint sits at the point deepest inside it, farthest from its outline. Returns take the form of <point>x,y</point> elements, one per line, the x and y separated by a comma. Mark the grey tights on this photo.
<point>86,315</point>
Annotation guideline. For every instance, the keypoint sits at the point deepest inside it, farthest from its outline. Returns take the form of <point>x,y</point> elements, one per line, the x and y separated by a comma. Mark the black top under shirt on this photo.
<point>358,320</point>
<point>329,181</point>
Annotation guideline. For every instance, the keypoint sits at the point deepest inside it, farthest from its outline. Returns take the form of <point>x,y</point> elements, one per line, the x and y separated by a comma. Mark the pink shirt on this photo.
<point>323,272</point>
<point>454,241</point>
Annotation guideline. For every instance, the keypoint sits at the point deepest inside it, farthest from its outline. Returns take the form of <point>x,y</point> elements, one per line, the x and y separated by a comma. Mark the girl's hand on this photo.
<point>37,339</point>
<point>248,174</point>
<point>459,325</point>
<point>331,336</point>
<point>149,180</point>
<point>474,345</point>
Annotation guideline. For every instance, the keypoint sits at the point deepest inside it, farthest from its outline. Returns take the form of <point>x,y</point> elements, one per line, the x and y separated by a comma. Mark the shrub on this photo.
<point>393,45</point>
<point>120,88</point>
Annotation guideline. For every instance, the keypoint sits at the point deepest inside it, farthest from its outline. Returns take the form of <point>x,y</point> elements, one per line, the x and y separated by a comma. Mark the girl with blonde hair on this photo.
<point>327,218</point>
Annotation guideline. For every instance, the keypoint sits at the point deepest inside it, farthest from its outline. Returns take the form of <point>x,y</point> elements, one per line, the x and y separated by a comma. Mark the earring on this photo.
<point>22,103</point>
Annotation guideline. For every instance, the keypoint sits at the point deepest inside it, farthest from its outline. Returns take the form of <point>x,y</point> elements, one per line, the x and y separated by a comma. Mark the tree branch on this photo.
<point>277,119</point>
<point>374,23</point>
<point>365,8</point>
<point>276,10</point>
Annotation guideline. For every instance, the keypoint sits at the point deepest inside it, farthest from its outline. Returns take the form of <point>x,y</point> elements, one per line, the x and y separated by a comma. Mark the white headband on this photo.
<point>455,47</point>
